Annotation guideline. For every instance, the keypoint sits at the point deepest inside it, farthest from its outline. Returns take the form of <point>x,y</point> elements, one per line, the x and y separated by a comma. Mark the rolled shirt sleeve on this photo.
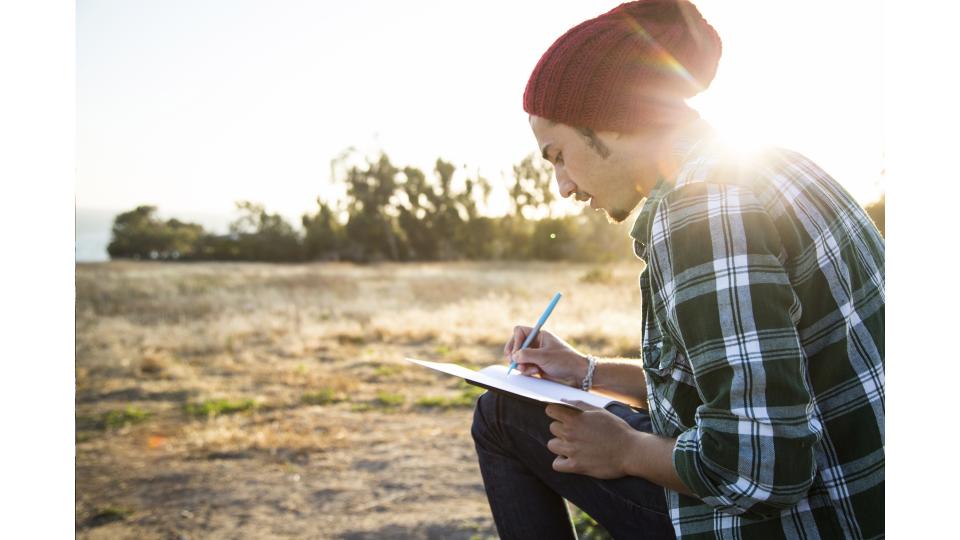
<point>726,300</point>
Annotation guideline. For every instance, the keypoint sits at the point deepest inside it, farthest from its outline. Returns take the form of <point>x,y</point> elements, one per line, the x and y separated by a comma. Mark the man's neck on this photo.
<point>677,146</point>
<point>658,155</point>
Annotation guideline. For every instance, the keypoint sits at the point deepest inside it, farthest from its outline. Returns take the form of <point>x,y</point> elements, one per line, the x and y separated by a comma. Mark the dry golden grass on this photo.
<point>260,401</point>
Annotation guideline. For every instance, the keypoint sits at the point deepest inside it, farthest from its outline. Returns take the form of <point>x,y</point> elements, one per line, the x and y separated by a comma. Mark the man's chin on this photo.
<point>616,216</point>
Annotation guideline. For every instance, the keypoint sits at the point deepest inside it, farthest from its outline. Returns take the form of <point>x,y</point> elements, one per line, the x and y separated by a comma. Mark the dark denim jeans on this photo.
<point>527,496</point>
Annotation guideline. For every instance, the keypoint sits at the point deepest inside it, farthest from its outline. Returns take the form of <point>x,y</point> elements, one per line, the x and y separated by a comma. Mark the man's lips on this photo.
<point>585,197</point>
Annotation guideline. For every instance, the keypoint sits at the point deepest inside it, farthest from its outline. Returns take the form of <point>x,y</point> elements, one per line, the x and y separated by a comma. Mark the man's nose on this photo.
<point>566,186</point>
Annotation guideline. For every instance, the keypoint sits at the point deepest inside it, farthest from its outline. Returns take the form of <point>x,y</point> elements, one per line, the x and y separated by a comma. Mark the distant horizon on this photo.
<point>93,225</point>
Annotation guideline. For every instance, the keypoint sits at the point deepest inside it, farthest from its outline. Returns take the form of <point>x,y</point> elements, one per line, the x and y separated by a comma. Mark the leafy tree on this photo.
<point>323,233</point>
<point>181,238</point>
<point>477,190</point>
<point>371,231</point>
<point>553,239</point>
<point>512,240</point>
<point>531,187</point>
<point>479,239</point>
<point>262,236</point>
<point>475,236</point>
<point>415,217</point>
<point>598,240</point>
<point>217,247</point>
<point>434,216</point>
<point>140,234</point>
<point>446,219</point>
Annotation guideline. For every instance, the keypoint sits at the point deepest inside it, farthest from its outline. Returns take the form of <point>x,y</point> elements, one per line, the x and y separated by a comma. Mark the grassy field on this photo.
<point>273,401</point>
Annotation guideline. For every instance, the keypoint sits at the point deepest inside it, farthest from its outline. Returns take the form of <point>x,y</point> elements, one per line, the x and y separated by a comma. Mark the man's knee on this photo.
<point>484,416</point>
<point>495,415</point>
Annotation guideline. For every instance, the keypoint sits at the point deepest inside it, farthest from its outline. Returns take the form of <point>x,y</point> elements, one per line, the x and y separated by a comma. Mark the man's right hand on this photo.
<point>548,356</point>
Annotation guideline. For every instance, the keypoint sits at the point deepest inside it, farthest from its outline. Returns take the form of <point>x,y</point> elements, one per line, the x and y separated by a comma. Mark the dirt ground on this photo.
<point>274,401</point>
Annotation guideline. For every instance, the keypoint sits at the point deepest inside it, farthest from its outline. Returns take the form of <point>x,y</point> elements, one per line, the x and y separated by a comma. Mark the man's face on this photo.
<point>599,170</point>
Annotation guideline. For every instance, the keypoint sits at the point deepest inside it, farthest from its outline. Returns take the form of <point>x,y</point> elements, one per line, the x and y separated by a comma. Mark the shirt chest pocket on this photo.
<point>671,390</point>
<point>659,351</point>
<point>659,356</point>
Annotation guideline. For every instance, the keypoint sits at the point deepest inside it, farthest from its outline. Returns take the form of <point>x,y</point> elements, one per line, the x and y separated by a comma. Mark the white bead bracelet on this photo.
<point>588,380</point>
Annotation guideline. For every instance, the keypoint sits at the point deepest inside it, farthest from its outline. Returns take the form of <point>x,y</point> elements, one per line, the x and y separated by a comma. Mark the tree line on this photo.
<point>393,213</point>
<point>388,213</point>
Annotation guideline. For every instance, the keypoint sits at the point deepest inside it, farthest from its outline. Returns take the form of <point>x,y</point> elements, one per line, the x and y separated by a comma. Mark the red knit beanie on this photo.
<point>631,67</point>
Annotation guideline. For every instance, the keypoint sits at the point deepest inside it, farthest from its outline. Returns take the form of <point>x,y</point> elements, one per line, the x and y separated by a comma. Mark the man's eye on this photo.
<point>559,159</point>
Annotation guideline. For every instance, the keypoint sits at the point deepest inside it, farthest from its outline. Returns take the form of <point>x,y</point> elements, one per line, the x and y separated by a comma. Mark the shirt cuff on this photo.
<point>686,463</point>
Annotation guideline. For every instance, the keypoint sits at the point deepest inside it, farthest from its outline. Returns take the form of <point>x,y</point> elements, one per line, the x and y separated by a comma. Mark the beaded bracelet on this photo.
<point>588,380</point>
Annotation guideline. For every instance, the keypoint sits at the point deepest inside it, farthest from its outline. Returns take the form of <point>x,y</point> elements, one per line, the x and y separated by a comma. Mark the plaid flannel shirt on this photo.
<point>763,302</point>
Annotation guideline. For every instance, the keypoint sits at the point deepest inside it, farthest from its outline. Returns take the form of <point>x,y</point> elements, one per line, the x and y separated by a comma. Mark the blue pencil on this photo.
<point>536,328</point>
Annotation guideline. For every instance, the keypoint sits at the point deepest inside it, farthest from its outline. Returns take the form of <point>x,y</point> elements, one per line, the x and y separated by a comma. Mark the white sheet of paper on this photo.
<point>516,383</point>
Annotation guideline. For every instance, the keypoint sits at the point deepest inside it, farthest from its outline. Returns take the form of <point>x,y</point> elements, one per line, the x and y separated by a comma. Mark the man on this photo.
<point>763,310</point>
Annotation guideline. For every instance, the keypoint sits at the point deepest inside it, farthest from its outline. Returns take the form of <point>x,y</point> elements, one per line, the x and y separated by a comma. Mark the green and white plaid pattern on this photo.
<point>763,347</point>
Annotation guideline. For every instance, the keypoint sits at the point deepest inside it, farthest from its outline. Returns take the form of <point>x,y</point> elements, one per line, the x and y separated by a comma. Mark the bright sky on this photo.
<point>194,104</point>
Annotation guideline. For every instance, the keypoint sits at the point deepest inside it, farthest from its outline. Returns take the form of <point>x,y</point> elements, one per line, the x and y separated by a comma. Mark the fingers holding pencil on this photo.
<point>513,348</point>
<point>532,334</point>
<point>520,334</point>
<point>551,358</point>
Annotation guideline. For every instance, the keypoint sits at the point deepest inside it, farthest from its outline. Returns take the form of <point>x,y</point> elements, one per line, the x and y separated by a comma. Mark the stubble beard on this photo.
<point>619,214</point>
<point>616,216</point>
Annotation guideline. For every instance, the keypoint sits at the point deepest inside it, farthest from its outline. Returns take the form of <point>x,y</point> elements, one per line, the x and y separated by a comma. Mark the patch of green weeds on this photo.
<point>587,527</point>
<point>386,370</point>
<point>443,402</point>
<point>325,396</point>
<point>442,350</point>
<point>215,407</point>
<point>472,389</point>
<point>433,402</point>
<point>128,416</point>
<point>108,514</point>
<point>383,401</point>
<point>465,399</point>
<point>389,399</point>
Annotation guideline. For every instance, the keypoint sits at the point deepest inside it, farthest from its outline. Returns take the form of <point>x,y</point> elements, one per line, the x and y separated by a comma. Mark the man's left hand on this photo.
<point>593,442</point>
